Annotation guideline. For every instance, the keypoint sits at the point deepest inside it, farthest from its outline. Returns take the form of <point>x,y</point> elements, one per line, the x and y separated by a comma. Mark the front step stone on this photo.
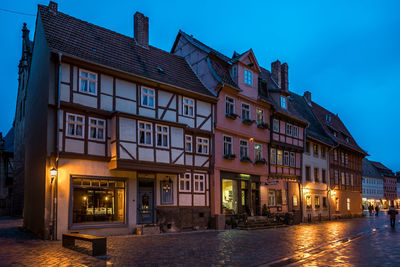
<point>149,229</point>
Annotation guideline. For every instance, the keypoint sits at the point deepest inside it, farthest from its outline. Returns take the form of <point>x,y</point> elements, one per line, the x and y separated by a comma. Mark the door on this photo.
<point>145,208</point>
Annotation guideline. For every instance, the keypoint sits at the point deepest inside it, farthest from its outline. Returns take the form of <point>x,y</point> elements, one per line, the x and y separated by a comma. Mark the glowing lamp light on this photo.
<point>251,139</point>
<point>53,174</point>
<point>106,198</point>
<point>84,198</point>
<point>306,191</point>
<point>333,192</point>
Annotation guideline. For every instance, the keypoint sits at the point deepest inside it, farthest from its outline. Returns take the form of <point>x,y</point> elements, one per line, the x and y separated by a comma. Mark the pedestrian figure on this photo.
<point>376,210</point>
<point>392,212</point>
<point>370,209</point>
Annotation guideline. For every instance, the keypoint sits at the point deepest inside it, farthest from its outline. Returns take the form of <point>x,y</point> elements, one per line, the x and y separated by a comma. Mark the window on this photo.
<point>335,155</point>
<point>188,107</point>
<point>308,173</point>
<point>316,175</point>
<point>258,151</point>
<point>145,133</point>
<point>336,177</point>
<point>87,82</point>
<point>295,131</point>
<point>324,202</point>
<point>292,159</point>
<point>286,158</point>
<point>185,182</point>
<point>167,196</point>
<point>148,97</point>
<point>202,145</point>
<point>75,125</point>
<point>283,102</point>
<point>273,156</point>
<point>198,181</point>
<point>316,202</point>
<point>162,135</point>
<point>248,77</point>
<point>97,200</point>
<point>342,157</point>
<point>96,129</point>
<point>245,112</point>
<point>276,125</point>
<point>324,176</point>
<point>323,152</point>
<point>229,105</point>
<point>295,201</point>
<point>343,179</point>
<point>228,145</point>
<point>279,157</point>
<point>188,143</point>
<point>260,116</point>
<point>346,159</point>
<point>315,150</point>
<point>308,147</point>
<point>288,129</point>
<point>244,149</point>
<point>271,197</point>
<point>348,203</point>
<point>308,202</point>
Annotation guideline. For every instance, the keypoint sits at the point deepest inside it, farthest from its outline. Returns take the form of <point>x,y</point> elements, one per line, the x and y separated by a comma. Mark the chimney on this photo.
<point>53,6</point>
<point>307,96</point>
<point>276,72</point>
<point>284,77</point>
<point>141,29</point>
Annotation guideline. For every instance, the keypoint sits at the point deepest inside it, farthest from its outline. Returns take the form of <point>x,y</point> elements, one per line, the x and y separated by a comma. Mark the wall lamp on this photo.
<point>53,174</point>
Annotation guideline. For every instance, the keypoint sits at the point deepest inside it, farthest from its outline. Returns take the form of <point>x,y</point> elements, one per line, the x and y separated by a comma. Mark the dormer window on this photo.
<point>234,71</point>
<point>328,117</point>
<point>283,102</point>
<point>248,77</point>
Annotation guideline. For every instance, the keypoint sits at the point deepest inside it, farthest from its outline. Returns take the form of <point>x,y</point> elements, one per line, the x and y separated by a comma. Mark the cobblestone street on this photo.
<point>358,242</point>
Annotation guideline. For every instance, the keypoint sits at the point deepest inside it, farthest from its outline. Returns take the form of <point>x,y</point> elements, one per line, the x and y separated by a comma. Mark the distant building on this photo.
<point>372,185</point>
<point>6,172</point>
<point>398,190</point>
<point>389,184</point>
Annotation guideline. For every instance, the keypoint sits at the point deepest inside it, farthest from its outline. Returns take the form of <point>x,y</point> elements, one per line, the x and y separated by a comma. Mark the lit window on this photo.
<point>283,102</point>
<point>198,180</point>
<point>96,129</point>
<point>271,197</point>
<point>273,156</point>
<point>343,179</point>
<point>279,157</point>
<point>244,149</point>
<point>260,116</point>
<point>75,125</point>
<point>148,97</point>
<point>245,112</point>
<point>162,135</point>
<point>295,201</point>
<point>276,125</point>
<point>316,202</point>
<point>87,82</point>
<point>286,158</point>
<point>348,203</point>
<point>202,145</point>
<point>308,202</point>
<point>258,151</point>
<point>188,107</point>
<point>292,159</point>
<point>188,143</point>
<point>185,182</point>
<point>145,133</point>
<point>228,145</point>
<point>248,77</point>
<point>229,105</point>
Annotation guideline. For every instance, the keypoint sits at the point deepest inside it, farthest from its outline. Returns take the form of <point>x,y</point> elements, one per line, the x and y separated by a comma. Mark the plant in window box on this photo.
<point>245,159</point>
<point>263,125</point>
<point>260,161</point>
<point>229,156</point>
<point>248,121</point>
<point>232,116</point>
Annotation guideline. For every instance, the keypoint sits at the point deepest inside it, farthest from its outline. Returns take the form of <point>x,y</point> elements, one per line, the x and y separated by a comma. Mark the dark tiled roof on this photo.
<point>9,141</point>
<point>222,72</point>
<point>385,171</point>
<point>338,126</point>
<point>369,170</point>
<point>314,129</point>
<point>92,43</point>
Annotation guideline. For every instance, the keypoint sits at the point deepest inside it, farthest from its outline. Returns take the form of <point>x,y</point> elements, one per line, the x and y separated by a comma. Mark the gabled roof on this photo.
<point>95,44</point>
<point>336,125</point>
<point>369,170</point>
<point>382,169</point>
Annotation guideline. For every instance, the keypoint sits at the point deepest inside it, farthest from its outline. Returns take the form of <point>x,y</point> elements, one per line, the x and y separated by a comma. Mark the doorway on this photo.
<point>145,203</point>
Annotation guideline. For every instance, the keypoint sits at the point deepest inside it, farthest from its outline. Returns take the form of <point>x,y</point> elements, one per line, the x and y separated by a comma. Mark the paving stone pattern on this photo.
<point>350,242</point>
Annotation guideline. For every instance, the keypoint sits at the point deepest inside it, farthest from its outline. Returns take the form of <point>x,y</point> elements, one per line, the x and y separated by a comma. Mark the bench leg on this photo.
<point>99,247</point>
<point>68,242</point>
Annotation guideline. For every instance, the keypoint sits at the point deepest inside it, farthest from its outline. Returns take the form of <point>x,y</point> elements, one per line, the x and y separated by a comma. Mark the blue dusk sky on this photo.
<point>347,53</point>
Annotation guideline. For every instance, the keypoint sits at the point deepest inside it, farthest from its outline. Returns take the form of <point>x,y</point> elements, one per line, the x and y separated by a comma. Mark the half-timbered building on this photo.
<point>119,133</point>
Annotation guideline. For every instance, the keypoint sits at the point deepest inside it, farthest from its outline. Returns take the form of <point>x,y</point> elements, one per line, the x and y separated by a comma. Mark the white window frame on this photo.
<point>295,131</point>
<point>145,131</point>
<point>283,102</point>
<point>75,123</point>
<point>231,102</point>
<point>198,180</point>
<point>186,177</point>
<point>279,161</point>
<point>248,77</point>
<point>189,140</point>
<point>88,81</point>
<point>271,197</point>
<point>96,127</point>
<point>292,159</point>
<point>289,129</point>
<point>258,153</point>
<point>276,126</point>
<point>273,156</point>
<point>226,142</point>
<point>190,106</point>
<point>245,147</point>
<point>258,114</point>
<point>147,94</point>
<point>162,133</point>
<point>205,145</point>
<point>246,111</point>
<point>286,158</point>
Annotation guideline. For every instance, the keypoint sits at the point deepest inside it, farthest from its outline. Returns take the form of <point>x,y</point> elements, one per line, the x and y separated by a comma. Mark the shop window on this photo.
<point>98,200</point>
<point>271,197</point>
<point>167,196</point>
<point>185,182</point>
<point>229,196</point>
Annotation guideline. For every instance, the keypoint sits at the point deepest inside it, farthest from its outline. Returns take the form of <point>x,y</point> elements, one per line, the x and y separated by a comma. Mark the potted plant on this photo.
<point>245,159</point>
<point>229,156</point>
<point>232,116</point>
<point>260,161</point>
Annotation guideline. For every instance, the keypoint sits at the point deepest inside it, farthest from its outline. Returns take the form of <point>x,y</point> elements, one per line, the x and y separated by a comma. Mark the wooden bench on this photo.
<point>99,244</point>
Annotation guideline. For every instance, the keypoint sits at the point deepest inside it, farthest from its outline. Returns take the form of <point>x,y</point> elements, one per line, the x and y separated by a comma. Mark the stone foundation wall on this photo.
<point>178,219</point>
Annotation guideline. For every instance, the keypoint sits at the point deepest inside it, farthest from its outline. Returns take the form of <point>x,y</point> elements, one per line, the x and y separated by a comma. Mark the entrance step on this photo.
<point>149,229</point>
<point>259,222</point>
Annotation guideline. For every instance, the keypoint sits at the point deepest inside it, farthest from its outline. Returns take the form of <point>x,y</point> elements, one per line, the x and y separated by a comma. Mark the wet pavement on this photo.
<point>365,241</point>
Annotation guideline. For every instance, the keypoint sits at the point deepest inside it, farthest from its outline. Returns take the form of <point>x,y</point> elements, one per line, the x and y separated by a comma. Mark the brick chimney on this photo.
<point>307,96</point>
<point>284,77</point>
<point>276,72</point>
<point>53,6</point>
<point>141,29</point>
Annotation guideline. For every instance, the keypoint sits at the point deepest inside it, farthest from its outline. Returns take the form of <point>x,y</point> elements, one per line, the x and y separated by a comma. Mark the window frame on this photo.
<point>187,142</point>
<point>248,77</point>
<point>276,125</point>
<point>88,80</point>
<point>67,122</point>
<point>292,159</point>
<point>245,110</point>
<point>231,102</point>
<point>184,179</point>
<point>145,130</point>
<point>96,127</point>
<point>273,156</point>
<point>243,146</point>
<point>192,106</point>
<point>224,142</point>
<point>260,151</point>
<point>283,102</point>
<point>200,141</point>
<point>142,94</point>
<point>257,116</point>
<point>286,158</point>
<point>162,133</point>
<point>279,159</point>
<point>197,181</point>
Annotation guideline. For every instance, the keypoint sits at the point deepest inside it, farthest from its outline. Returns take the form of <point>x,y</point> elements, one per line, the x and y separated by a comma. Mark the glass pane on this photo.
<point>93,132</point>
<point>100,133</point>
<point>77,181</point>
<point>230,197</point>
<point>92,76</point>
<point>84,85</point>
<point>71,129</point>
<point>85,182</point>
<point>84,74</point>
<point>79,130</point>
<point>151,101</point>
<point>92,87</point>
